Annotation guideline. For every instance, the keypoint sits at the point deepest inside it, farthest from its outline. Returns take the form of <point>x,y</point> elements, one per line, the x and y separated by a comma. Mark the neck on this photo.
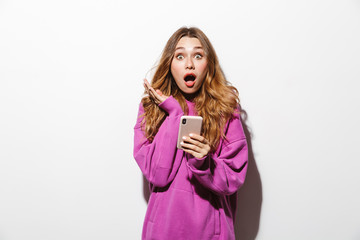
<point>190,97</point>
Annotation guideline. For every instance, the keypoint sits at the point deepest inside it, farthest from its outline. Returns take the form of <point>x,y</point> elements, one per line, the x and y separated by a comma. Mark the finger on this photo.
<point>146,86</point>
<point>204,147</point>
<point>192,147</point>
<point>156,95</point>
<point>187,148</point>
<point>195,154</point>
<point>198,137</point>
<point>151,91</point>
<point>153,97</point>
<point>158,92</point>
<point>193,141</point>
<point>146,82</point>
<point>155,92</point>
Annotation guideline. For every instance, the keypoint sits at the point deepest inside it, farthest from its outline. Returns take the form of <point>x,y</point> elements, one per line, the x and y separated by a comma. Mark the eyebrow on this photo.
<point>197,47</point>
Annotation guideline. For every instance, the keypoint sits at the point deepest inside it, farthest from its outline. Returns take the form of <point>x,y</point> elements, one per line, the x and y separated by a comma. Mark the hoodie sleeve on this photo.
<point>159,160</point>
<point>224,171</point>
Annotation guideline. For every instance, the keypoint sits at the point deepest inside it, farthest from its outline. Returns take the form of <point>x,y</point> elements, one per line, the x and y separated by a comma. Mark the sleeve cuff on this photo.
<point>197,162</point>
<point>171,106</point>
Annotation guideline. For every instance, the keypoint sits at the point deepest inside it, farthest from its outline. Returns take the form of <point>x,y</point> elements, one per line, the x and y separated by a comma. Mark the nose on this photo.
<point>189,64</point>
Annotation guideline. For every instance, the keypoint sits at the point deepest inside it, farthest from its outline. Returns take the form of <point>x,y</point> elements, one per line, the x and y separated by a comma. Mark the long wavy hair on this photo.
<point>215,101</point>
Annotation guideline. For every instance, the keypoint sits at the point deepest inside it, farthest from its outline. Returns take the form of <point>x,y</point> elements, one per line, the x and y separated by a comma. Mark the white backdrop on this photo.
<point>70,84</point>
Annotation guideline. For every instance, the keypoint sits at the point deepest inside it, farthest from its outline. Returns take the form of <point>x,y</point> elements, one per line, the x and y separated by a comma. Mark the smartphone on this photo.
<point>188,124</point>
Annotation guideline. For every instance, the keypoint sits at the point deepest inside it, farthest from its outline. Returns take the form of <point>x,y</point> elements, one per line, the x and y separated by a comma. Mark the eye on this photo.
<point>180,57</point>
<point>198,56</point>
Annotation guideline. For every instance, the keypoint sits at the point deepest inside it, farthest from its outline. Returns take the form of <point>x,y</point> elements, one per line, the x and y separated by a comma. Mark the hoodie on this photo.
<point>190,198</point>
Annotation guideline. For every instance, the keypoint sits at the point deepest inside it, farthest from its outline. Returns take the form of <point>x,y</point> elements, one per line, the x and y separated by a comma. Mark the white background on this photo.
<point>70,84</point>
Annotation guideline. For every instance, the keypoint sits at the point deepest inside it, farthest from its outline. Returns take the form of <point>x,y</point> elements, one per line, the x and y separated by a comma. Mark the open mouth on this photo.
<point>190,79</point>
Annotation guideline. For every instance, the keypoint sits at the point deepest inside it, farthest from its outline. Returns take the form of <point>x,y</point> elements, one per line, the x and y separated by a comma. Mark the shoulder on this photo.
<point>234,129</point>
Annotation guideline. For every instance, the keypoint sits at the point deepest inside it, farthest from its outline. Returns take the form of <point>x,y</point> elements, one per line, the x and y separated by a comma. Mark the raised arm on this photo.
<point>159,160</point>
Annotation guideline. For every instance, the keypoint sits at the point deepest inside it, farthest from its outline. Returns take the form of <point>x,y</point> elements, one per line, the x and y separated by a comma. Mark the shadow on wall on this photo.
<point>249,197</point>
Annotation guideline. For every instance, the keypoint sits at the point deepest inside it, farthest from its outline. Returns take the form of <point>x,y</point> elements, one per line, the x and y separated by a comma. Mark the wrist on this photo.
<point>171,106</point>
<point>197,162</point>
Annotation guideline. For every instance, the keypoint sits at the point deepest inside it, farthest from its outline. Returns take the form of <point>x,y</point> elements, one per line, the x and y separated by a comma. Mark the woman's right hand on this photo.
<point>156,95</point>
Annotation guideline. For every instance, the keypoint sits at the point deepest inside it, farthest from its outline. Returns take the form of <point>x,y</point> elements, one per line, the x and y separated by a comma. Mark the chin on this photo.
<point>190,91</point>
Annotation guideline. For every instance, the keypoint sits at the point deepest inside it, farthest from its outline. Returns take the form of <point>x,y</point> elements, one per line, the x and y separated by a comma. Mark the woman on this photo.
<point>193,191</point>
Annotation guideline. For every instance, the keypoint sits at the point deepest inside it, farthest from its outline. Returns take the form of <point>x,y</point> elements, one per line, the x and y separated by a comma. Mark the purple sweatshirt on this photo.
<point>190,198</point>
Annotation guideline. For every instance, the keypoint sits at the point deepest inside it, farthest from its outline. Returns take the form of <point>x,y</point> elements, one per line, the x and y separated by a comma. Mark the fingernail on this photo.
<point>191,134</point>
<point>184,138</point>
<point>182,143</point>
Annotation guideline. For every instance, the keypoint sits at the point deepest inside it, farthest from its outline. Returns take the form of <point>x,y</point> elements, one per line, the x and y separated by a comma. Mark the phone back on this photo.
<point>188,124</point>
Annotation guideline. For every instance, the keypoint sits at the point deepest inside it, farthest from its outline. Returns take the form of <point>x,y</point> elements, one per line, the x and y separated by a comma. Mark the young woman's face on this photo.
<point>189,65</point>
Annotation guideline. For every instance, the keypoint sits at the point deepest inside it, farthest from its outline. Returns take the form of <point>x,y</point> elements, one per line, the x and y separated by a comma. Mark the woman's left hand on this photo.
<point>196,145</point>
<point>155,95</point>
